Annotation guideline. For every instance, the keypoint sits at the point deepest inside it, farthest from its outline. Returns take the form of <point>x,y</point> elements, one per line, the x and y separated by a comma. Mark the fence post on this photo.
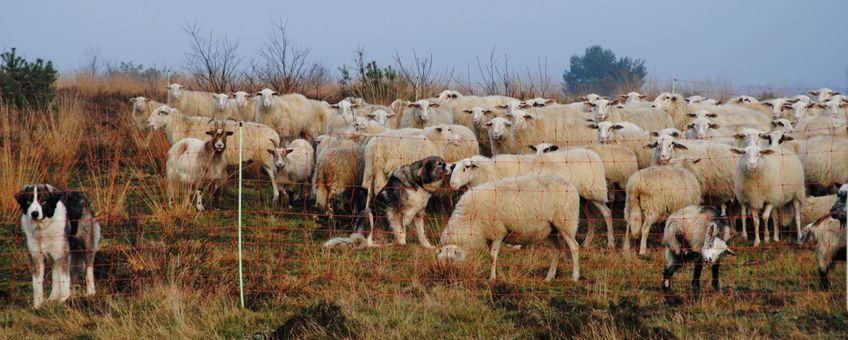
<point>240,157</point>
<point>673,85</point>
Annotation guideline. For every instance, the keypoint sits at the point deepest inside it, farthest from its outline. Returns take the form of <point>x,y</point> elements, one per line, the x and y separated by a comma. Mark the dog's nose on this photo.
<point>34,215</point>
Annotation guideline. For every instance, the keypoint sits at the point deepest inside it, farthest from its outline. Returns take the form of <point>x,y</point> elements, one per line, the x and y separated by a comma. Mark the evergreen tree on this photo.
<point>598,71</point>
<point>24,83</point>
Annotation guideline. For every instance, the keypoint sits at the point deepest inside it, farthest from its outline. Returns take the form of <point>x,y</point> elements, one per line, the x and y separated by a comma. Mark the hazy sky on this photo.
<point>784,43</point>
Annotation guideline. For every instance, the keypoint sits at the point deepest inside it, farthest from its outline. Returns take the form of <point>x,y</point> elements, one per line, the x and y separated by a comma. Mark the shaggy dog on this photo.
<point>59,226</point>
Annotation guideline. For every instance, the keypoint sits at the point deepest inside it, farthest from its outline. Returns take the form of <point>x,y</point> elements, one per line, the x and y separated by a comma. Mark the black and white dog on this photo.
<point>402,201</point>
<point>59,226</point>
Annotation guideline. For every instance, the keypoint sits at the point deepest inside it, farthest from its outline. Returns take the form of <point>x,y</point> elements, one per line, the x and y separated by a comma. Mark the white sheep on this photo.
<point>813,209</point>
<point>633,97</point>
<point>764,180</point>
<point>653,194</point>
<point>292,115</point>
<point>501,139</point>
<point>693,234</point>
<point>823,94</point>
<point>141,110</point>
<point>782,124</point>
<point>387,151</point>
<point>528,129</point>
<point>240,107</point>
<point>191,102</point>
<point>195,163</point>
<point>178,126</point>
<point>825,161</point>
<point>628,135</point>
<point>294,169</point>
<point>777,106</point>
<point>424,113</point>
<point>582,167</point>
<point>464,146</point>
<point>518,210</point>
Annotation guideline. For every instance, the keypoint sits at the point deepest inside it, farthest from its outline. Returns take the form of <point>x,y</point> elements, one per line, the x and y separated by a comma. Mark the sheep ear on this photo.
<point>622,96</point>
<point>487,111</point>
<point>209,132</point>
<point>439,129</point>
<point>434,105</point>
<point>788,138</point>
<point>767,104</point>
<point>335,106</point>
<point>654,134</point>
<point>690,126</point>
<point>643,96</point>
<point>712,115</point>
<point>737,151</point>
<point>548,101</point>
<point>814,93</point>
<point>695,161</point>
<point>617,127</point>
<point>714,126</point>
<point>289,150</point>
<point>764,136</point>
<point>553,148</point>
<point>271,152</point>
<point>230,133</point>
<point>675,134</point>
<point>533,147</point>
<point>488,123</point>
<point>501,106</point>
<point>739,136</point>
<point>767,152</point>
<point>650,145</point>
<point>592,126</point>
<point>467,111</point>
<point>693,115</point>
<point>680,146</point>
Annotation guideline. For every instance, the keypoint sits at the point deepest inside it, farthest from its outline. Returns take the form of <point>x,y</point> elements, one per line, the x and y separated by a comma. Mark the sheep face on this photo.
<point>782,124</point>
<point>450,253</point>
<point>751,155</point>
<point>743,100</point>
<point>672,132</point>
<point>498,127</point>
<point>777,106</point>
<point>537,102</point>
<point>838,209</point>
<point>138,102</point>
<point>601,108</point>
<point>174,90</point>
<point>748,136</point>
<point>701,126</point>
<point>220,100</point>
<point>605,130</point>
<point>159,118</point>
<point>800,110</point>
<point>240,98</point>
<point>590,98</point>
<point>381,117</point>
<point>462,173</point>
<point>280,156</point>
<point>703,114</point>
<point>449,94</point>
<point>663,101</point>
<point>478,114</point>
<point>422,108</point>
<point>543,148</point>
<point>775,138</point>
<point>823,93</point>
<point>266,97</point>
<point>665,146</point>
<point>345,107</point>
<point>713,102</point>
<point>633,97</point>
<point>834,107</point>
<point>695,99</point>
<point>511,106</point>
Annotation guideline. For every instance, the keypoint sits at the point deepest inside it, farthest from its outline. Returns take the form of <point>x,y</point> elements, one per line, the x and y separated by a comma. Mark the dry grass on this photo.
<point>169,272</point>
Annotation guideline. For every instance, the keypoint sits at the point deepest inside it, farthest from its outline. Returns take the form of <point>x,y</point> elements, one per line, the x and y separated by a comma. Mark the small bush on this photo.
<point>26,84</point>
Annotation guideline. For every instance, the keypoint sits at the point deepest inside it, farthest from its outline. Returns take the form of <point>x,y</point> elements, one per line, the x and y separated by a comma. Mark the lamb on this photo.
<point>825,162</point>
<point>500,136</point>
<point>829,235</point>
<point>191,102</point>
<point>387,151</point>
<point>583,168</point>
<point>424,113</point>
<point>294,169</point>
<point>338,171</point>
<point>692,234</point>
<point>141,110</point>
<point>517,210</point>
<point>628,135</point>
<point>192,162</point>
<point>619,162</point>
<point>292,115</point>
<point>653,194</point>
<point>178,126</point>
<point>763,181</point>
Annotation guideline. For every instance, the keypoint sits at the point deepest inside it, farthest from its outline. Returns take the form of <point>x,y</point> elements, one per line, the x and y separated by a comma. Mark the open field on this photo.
<point>168,271</point>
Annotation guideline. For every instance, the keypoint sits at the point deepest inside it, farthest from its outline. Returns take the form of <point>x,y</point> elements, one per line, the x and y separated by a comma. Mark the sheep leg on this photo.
<point>274,188</point>
<point>198,197</point>
<point>766,215</point>
<point>755,216</point>
<point>696,276</point>
<point>716,283</point>
<point>419,230</point>
<point>646,227</point>
<point>590,230</point>
<point>744,212</point>
<point>607,213</point>
<point>496,246</point>
<point>796,204</point>
<point>574,247</point>
<point>672,265</point>
<point>775,222</point>
<point>552,268</point>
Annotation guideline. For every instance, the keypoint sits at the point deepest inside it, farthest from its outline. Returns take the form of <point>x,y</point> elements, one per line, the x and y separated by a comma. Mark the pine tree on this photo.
<point>24,83</point>
<point>599,71</point>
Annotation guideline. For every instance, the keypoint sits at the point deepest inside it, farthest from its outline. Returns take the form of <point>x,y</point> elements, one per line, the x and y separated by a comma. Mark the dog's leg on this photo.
<point>37,280</point>
<point>65,266</point>
<point>419,229</point>
<point>199,203</point>
<point>89,273</point>
<point>56,284</point>
<point>398,223</point>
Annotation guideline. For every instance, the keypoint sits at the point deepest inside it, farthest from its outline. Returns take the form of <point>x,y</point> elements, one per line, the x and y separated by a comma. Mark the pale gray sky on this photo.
<point>776,42</point>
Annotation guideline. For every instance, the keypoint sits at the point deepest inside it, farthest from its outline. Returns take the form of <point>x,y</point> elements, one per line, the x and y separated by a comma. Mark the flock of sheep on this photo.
<point>690,162</point>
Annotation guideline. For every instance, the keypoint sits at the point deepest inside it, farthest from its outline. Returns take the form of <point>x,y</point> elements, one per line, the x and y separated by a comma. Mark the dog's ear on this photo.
<point>53,196</point>
<point>25,194</point>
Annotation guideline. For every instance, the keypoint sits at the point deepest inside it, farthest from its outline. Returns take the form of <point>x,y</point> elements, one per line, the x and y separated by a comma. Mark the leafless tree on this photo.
<point>212,61</point>
<point>424,80</point>
<point>284,65</point>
